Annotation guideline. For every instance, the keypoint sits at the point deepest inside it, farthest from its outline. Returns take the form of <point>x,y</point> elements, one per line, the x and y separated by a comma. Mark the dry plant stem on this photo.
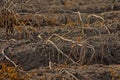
<point>71,74</point>
<point>49,41</point>
<point>80,21</point>
<point>66,71</point>
<point>68,40</point>
<point>27,1</point>
<point>83,53</point>
<point>3,53</point>
<point>99,17</point>
<point>98,31</point>
<point>107,29</point>
<point>50,64</point>
<point>81,45</point>
<point>71,52</point>
<point>16,66</point>
<point>65,34</point>
<point>80,16</point>
<point>39,36</point>
<point>92,47</point>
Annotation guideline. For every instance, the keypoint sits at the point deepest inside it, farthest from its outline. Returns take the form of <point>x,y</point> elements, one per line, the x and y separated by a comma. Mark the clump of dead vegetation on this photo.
<point>11,22</point>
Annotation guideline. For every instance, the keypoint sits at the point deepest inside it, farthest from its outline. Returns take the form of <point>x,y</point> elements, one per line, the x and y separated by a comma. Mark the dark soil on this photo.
<point>25,34</point>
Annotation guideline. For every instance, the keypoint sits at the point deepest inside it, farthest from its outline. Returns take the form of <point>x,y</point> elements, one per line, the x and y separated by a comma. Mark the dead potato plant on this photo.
<point>81,44</point>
